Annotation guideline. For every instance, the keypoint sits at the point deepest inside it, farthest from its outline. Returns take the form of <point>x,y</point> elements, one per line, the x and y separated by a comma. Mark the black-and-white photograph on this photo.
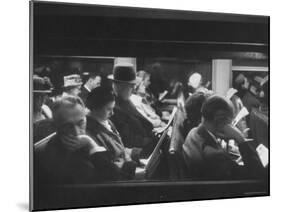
<point>134,106</point>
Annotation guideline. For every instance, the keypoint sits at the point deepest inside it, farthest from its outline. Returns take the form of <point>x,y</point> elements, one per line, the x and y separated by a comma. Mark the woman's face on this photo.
<point>106,111</point>
<point>75,91</point>
<point>146,81</point>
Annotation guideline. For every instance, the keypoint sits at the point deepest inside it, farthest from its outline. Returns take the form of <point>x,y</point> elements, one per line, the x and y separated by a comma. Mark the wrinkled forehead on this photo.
<point>71,114</point>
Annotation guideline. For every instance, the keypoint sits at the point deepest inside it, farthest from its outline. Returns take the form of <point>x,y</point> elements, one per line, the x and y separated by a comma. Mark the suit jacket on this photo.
<point>205,158</point>
<point>259,126</point>
<point>135,130</point>
<point>54,164</point>
<point>250,101</point>
<point>112,142</point>
<point>84,94</point>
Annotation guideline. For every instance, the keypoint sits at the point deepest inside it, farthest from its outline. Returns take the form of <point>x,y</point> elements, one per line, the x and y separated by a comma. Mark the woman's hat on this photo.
<point>42,85</point>
<point>124,73</point>
<point>72,80</point>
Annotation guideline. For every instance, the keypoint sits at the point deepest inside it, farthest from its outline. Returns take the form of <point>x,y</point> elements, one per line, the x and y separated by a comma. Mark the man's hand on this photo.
<point>87,142</point>
<point>71,142</point>
<point>230,132</point>
<point>74,143</point>
<point>157,130</point>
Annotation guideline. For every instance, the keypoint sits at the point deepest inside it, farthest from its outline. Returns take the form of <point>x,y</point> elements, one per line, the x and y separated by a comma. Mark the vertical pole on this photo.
<point>221,76</point>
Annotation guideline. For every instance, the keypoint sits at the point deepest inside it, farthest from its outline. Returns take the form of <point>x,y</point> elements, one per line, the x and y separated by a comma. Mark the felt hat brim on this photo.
<point>111,77</point>
<point>68,86</point>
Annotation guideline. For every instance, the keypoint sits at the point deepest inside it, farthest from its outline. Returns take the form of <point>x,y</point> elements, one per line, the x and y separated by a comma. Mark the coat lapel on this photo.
<point>95,126</point>
<point>209,140</point>
<point>129,108</point>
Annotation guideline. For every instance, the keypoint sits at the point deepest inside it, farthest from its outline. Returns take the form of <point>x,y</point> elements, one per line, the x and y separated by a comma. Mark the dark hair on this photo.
<point>99,97</point>
<point>238,85</point>
<point>214,104</point>
<point>158,83</point>
<point>193,107</point>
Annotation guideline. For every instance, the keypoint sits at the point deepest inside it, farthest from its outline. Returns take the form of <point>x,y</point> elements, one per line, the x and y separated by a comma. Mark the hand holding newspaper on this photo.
<point>242,113</point>
<point>261,149</point>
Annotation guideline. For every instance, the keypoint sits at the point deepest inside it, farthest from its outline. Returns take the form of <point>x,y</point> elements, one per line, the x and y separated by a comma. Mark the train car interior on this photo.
<point>174,53</point>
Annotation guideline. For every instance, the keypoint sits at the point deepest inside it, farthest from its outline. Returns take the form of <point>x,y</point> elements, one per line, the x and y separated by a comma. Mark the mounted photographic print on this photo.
<point>136,106</point>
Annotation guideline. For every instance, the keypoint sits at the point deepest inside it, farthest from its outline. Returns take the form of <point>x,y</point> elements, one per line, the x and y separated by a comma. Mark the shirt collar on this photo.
<point>86,87</point>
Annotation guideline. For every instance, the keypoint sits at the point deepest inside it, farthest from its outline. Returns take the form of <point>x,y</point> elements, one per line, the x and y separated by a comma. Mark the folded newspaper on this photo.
<point>162,95</point>
<point>242,113</point>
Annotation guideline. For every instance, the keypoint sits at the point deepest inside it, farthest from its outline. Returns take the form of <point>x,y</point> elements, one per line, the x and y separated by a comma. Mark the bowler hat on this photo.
<point>125,73</point>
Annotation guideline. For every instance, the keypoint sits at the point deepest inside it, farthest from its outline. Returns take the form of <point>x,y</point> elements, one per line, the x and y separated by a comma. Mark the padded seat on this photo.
<point>177,168</point>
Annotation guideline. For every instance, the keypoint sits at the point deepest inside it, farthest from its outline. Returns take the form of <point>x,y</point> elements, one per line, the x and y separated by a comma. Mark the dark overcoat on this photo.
<point>135,130</point>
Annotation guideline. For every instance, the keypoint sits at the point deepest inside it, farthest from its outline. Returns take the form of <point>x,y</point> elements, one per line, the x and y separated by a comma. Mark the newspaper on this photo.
<point>242,113</point>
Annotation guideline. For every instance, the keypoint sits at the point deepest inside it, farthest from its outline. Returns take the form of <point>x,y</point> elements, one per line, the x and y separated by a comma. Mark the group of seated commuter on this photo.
<point>101,133</point>
<point>43,101</point>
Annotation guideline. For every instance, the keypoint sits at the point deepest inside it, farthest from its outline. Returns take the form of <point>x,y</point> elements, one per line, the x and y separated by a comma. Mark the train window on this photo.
<point>154,121</point>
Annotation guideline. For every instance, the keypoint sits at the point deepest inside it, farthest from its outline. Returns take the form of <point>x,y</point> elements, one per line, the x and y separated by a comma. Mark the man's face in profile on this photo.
<point>96,82</point>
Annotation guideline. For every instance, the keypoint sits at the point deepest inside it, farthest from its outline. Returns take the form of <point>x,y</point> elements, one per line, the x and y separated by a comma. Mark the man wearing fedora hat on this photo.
<point>134,128</point>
